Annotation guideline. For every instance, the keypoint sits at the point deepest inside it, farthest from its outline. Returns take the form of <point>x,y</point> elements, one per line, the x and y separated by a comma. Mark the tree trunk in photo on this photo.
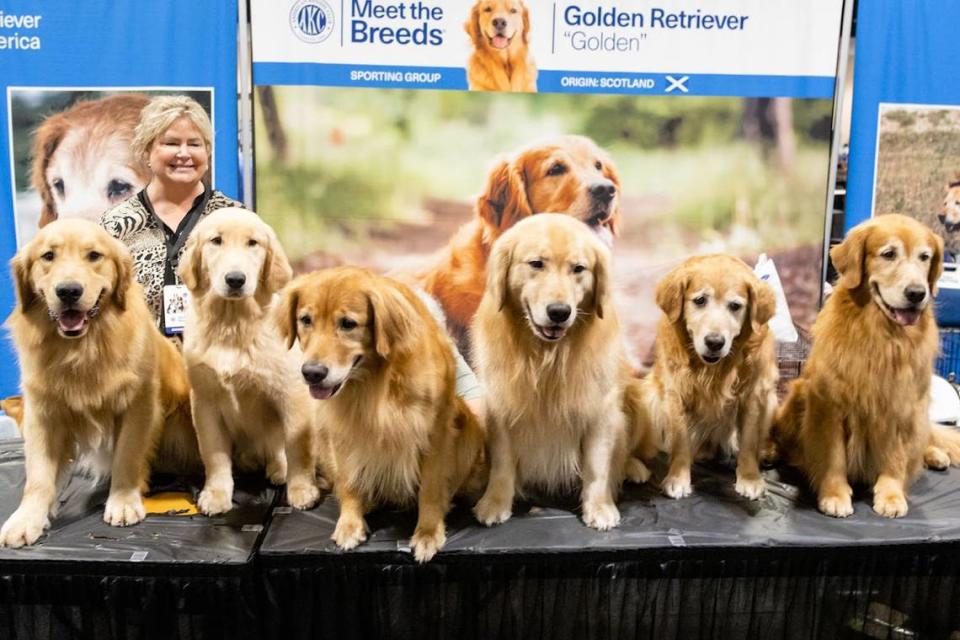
<point>770,122</point>
<point>271,119</point>
<point>782,113</point>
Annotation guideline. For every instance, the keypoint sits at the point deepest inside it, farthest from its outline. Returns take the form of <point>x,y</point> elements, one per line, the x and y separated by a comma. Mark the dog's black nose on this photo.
<point>69,292</point>
<point>603,191</point>
<point>915,293</point>
<point>558,312</point>
<point>314,373</point>
<point>714,341</point>
<point>235,279</point>
<point>942,218</point>
<point>499,24</point>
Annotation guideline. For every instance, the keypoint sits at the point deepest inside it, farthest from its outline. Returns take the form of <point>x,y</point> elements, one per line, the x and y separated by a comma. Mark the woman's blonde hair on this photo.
<point>163,111</point>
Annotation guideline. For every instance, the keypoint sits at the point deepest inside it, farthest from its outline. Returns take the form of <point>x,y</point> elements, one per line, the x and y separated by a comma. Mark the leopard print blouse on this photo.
<point>132,224</point>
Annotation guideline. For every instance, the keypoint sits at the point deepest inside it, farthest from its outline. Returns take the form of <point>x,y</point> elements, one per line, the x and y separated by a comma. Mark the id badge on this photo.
<point>176,303</point>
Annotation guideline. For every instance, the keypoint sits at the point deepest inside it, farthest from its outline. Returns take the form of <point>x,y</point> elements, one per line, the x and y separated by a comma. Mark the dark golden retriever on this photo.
<point>383,375</point>
<point>859,411</point>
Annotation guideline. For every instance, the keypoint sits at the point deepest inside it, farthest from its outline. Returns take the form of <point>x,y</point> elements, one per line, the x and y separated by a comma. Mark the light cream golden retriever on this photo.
<point>383,375</point>
<point>82,162</point>
<point>714,381</point>
<point>859,411</point>
<point>99,380</point>
<point>499,31</point>
<point>247,396</point>
<point>567,174</point>
<point>550,354</point>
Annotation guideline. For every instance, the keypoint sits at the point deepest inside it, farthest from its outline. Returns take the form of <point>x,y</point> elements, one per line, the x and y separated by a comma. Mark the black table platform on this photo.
<point>710,566</point>
<point>169,576</point>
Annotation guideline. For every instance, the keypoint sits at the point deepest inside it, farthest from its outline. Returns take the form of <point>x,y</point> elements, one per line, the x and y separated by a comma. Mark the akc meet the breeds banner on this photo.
<point>388,132</point>
<point>73,79</point>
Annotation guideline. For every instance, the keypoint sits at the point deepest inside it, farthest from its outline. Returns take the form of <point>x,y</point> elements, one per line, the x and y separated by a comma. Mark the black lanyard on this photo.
<point>174,240</point>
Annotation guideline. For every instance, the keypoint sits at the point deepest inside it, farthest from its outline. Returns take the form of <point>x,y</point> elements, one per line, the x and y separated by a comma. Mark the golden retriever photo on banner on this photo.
<point>499,33</point>
<point>421,184</point>
<point>71,151</point>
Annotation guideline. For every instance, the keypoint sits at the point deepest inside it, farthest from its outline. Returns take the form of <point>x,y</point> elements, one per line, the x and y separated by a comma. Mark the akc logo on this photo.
<point>311,20</point>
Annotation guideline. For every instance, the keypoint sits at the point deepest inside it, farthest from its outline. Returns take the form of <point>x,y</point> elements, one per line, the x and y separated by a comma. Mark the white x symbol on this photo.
<point>677,84</point>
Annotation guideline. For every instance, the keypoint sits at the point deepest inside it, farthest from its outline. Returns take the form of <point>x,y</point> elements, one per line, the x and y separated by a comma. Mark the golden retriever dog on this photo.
<point>549,351</point>
<point>383,374</point>
<point>949,215</point>
<point>569,174</point>
<point>82,163</point>
<point>499,32</point>
<point>247,397</point>
<point>859,411</point>
<point>714,380</point>
<point>99,380</point>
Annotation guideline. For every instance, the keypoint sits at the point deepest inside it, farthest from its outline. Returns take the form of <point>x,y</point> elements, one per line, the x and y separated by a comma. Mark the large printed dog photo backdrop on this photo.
<point>71,151</point>
<point>384,178</point>
<point>918,167</point>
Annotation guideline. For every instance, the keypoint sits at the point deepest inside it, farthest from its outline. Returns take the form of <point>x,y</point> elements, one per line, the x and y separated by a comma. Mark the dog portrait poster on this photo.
<point>917,169</point>
<point>388,178</point>
<point>71,150</point>
<point>407,138</point>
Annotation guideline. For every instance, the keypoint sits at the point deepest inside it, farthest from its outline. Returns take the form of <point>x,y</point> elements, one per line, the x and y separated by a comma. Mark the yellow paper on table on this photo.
<point>176,503</point>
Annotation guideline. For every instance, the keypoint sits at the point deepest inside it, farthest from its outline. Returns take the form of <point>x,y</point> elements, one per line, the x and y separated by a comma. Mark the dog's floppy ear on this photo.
<point>848,257</point>
<point>191,264</point>
<point>616,218</point>
<point>670,293</point>
<point>123,263</point>
<point>285,313</point>
<point>601,281</point>
<point>20,265</point>
<point>472,26</point>
<point>498,273</point>
<point>394,319</point>
<point>504,199</point>
<point>936,262</point>
<point>526,24</point>
<point>46,139</point>
<point>276,271</point>
<point>763,304</point>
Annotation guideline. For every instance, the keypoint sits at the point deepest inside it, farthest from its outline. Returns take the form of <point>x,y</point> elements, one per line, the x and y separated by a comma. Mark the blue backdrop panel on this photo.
<point>100,44</point>
<point>906,52</point>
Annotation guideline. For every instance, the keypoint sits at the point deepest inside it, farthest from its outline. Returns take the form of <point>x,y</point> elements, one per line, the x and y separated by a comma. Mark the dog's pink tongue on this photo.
<point>500,42</point>
<point>320,393</point>
<point>906,317</point>
<point>71,320</point>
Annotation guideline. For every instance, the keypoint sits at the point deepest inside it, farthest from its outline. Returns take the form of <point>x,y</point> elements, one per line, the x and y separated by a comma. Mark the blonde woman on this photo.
<point>175,138</point>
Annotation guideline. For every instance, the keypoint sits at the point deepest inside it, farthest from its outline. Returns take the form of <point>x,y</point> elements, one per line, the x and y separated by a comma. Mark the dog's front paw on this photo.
<point>751,488</point>
<point>23,527</point>
<point>124,509</point>
<point>601,516</point>
<point>277,470</point>
<point>350,532</point>
<point>890,505</point>
<point>636,471</point>
<point>936,458</point>
<point>214,500</point>
<point>836,503</point>
<point>425,544</point>
<point>493,509</point>
<point>302,494</point>
<point>678,486</point>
